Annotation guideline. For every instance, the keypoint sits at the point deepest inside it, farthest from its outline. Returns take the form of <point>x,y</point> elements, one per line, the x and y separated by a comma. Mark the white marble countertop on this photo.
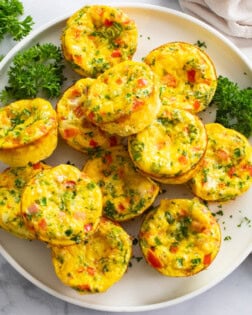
<point>18,296</point>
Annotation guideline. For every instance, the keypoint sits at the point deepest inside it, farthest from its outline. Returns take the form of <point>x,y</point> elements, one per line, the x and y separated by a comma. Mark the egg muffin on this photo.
<point>98,37</point>
<point>124,99</point>
<point>97,264</point>
<point>62,205</point>
<point>74,128</point>
<point>180,237</point>
<point>126,192</point>
<point>186,73</point>
<point>12,183</point>
<point>28,131</point>
<point>227,165</point>
<point>171,148</point>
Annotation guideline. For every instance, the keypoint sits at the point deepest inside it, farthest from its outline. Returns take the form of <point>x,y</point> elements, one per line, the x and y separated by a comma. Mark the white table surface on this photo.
<point>232,296</point>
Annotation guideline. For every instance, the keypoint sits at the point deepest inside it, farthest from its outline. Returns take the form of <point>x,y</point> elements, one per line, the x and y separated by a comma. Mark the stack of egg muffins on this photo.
<point>137,124</point>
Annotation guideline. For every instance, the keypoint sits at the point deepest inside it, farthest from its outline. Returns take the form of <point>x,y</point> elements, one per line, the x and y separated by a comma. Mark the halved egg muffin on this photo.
<point>74,128</point>
<point>171,148</point>
<point>28,131</point>
<point>126,192</point>
<point>226,171</point>
<point>180,237</point>
<point>12,184</point>
<point>62,205</point>
<point>97,264</point>
<point>98,37</point>
<point>186,73</point>
<point>124,99</point>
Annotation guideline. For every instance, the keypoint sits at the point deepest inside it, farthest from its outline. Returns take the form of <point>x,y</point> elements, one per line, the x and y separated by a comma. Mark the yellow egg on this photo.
<point>62,205</point>
<point>187,75</point>
<point>226,171</point>
<point>124,99</point>
<point>171,147</point>
<point>12,184</point>
<point>98,37</point>
<point>126,192</point>
<point>74,128</point>
<point>97,264</point>
<point>28,131</point>
<point>180,237</point>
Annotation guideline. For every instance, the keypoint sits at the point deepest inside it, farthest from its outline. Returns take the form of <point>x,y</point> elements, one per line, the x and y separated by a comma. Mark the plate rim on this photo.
<point>139,308</point>
<point>132,308</point>
<point>184,15</point>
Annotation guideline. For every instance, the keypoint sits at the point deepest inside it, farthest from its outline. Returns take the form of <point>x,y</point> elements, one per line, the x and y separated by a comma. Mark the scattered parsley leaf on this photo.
<point>35,71</point>
<point>10,10</point>
<point>137,258</point>
<point>135,241</point>
<point>227,238</point>
<point>200,44</point>
<point>245,220</point>
<point>234,106</point>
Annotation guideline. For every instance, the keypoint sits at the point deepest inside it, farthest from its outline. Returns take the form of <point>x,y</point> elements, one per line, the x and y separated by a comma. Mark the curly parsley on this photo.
<point>10,10</point>
<point>35,71</point>
<point>234,106</point>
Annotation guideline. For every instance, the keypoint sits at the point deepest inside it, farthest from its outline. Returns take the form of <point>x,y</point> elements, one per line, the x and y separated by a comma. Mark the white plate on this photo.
<point>143,288</point>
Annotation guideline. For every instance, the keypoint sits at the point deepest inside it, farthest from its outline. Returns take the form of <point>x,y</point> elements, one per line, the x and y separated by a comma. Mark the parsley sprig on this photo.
<point>234,106</point>
<point>10,10</point>
<point>37,71</point>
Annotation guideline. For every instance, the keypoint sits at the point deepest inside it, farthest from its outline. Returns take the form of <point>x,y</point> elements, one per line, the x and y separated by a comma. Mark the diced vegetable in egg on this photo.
<point>187,75</point>
<point>97,264</point>
<point>98,37</point>
<point>74,127</point>
<point>226,171</point>
<point>180,237</point>
<point>124,99</point>
<point>12,183</point>
<point>171,148</point>
<point>62,205</point>
<point>28,131</point>
<point>126,192</point>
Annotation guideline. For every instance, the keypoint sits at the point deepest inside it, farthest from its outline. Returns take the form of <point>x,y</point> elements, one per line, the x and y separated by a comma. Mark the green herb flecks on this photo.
<point>227,238</point>
<point>246,221</point>
<point>200,44</point>
<point>109,209</point>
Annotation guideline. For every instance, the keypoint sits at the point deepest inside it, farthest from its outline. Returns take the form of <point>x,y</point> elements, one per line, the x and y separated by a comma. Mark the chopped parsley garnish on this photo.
<point>227,238</point>
<point>200,44</point>
<point>245,220</point>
